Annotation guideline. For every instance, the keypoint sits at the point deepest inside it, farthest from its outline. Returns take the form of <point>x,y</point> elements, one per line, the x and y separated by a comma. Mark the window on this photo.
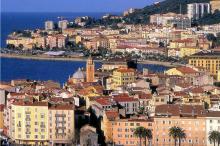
<point>42,115</point>
<point>36,130</point>
<point>19,115</point>
<point>137,124</point>
<point>36,136</point>
<point>131,124</point>
<point>42,136</point>
<point>210,121</point>
<point>27,136</point>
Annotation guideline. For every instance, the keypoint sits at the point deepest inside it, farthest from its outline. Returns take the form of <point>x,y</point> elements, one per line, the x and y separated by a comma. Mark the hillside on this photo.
<point>142,15</point>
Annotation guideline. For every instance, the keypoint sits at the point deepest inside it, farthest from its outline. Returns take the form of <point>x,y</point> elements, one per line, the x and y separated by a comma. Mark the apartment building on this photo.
<point>191,118</point>
<point>198,10</point>
<point>123,76</point>
<point>210,60</point>
<point>49,25</point>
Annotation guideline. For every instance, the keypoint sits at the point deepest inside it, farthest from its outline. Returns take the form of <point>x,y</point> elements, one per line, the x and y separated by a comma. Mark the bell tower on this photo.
<point>90,70</point>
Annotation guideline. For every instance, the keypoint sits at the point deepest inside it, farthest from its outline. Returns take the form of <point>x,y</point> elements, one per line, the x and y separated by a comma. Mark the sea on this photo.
<point>11,68</point>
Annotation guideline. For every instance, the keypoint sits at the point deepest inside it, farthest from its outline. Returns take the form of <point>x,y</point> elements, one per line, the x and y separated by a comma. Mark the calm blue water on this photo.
<point>48,70</point>
<point>41,69</point>
<point>11,21</point>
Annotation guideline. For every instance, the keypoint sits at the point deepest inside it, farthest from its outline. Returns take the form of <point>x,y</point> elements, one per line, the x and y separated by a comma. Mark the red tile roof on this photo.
<point>186,70</point>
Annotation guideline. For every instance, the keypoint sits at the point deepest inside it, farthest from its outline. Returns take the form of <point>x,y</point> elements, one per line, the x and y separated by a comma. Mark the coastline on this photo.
<point>167,64</point>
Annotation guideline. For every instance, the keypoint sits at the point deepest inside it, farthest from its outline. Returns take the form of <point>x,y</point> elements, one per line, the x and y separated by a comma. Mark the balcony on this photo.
<point>27,119</point>
<point>60,115</point>
<point>27,132</point>
<point>28,126</point>
<point>27,112</point>
<point>42,126</point>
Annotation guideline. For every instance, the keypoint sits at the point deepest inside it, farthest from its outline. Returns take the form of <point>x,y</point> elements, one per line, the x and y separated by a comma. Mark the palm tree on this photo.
<point>214,136</point>
<point>138,132</point>
<point>147,135</point>
<point>177,133</point>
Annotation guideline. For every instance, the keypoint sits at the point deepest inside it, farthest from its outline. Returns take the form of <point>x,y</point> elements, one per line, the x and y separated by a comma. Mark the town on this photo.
<point>117,104</point>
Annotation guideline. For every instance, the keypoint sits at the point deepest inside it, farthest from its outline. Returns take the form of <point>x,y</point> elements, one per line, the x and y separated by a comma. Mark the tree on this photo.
<point>177,133</point>
<point>214,136</point>
<point>147,135</point>
<point>138,132</point>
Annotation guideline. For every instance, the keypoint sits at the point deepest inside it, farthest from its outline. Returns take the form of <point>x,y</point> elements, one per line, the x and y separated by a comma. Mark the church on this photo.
<point>80,76</point>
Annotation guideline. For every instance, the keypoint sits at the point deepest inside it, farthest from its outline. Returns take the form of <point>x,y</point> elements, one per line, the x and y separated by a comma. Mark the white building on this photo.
<point>63,24</point>
<point>198,10</point>
<point>49,25</point>
<point>212,124</point>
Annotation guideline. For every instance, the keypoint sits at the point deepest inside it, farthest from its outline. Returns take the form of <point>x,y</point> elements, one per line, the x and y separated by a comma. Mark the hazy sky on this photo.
<point>72,5</point>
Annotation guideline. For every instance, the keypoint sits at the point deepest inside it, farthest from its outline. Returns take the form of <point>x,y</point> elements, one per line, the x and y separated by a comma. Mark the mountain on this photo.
<point>142,15</point>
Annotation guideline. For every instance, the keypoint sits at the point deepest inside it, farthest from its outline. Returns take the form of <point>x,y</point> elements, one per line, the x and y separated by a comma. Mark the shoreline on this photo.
<point>166,64</point>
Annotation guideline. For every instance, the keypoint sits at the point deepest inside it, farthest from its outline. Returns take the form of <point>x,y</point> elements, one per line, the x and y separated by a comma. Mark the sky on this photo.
<point>71,5</point>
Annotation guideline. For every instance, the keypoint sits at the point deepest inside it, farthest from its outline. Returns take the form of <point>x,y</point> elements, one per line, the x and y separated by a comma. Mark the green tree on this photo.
<point>138,132</point>
<point>214,136</point>
<point>147,135</point>
<point>177,133</point>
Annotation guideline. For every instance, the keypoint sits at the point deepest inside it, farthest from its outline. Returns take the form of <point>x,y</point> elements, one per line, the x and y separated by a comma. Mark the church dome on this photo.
<point>78,75</point>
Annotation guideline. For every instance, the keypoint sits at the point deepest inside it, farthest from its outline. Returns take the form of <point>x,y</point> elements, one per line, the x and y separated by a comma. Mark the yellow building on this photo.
<point>218,75</point>
<point>78,39</point>
<point>61,124</point>
<point>123,76</point>
<point>187,51</point>
<point>208,60</point>
<point>1,116</point>
<point>215,5</point>
<point>29,122</point>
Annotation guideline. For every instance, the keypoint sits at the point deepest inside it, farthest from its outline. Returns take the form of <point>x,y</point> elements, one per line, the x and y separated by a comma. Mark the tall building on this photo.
<point>190,118</point>
<point>32,122</point>
<point>215,5</point>
<point>198,10</point>
<point>90,70</point>
<point>208,60</point>
<point>63,24</point>
<point>49,25</point>
<point>123,76</point>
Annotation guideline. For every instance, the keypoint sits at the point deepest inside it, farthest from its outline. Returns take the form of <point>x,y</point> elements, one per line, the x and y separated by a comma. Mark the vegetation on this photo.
<point>177,133</point>
<point>210,19</point>
<point>143,15</point>
<point>142,132</point>
<point>214,136</point>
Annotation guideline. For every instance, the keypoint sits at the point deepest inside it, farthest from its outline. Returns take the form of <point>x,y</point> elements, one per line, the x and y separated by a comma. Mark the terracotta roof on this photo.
<point>197,90</point>
<point>29,103</point>
<point>111,115</point>
<point>180,110</point>
<point>103,101</point>
<point>65,106</point>
<point>186,70</point>
<point>124,70</point>
<point>125,99</point>
<point>2,107</point>
<point>213,114</point>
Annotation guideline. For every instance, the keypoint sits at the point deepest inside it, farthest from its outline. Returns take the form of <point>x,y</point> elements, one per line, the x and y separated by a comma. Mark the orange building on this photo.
<point>191,118</point>
<point>90,70</point>
<point>123,131</point>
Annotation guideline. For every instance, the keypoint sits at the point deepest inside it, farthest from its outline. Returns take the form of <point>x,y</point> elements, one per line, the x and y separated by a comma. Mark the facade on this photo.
<point>39,122</point>
<point>49,25</point>
<point>208,60</point>
<point>88,136</point>
<point>61,124</point>
<point>63,24</point>
<point>215,5</point>
<point>29,123</point>
<point>123,131</point>
<point>90,70</point>
<point>123,76</point>
<point>190,118</point>
<point>198,10</point>
<point>212,124</point>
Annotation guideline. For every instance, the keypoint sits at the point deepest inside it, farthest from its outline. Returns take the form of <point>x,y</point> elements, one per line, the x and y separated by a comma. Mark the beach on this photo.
<point>43,57</point>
